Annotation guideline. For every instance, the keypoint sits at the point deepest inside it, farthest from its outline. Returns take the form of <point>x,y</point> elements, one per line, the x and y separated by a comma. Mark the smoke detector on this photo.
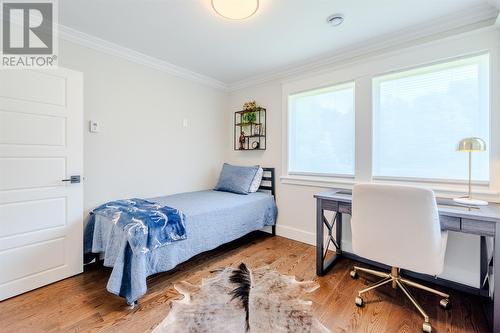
<point>335,20</point>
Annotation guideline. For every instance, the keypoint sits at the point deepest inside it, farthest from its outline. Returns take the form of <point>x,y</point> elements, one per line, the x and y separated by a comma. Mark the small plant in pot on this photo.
<point>250,117</point>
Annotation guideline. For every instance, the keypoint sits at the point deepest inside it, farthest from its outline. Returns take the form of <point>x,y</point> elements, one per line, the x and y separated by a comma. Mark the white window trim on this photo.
<point>317,174</point>
<point>362,71</point>
<point>467,59</point>
<point>421,180</point>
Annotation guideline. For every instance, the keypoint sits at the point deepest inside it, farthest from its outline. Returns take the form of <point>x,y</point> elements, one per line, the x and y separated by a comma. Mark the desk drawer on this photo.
<point>329,205</point>
<point>345,208</point>
<point>478,227</point>
<point>450,223</point>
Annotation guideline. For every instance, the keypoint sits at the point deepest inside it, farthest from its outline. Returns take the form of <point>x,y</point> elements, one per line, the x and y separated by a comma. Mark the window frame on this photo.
<point>426,180</point>
<point>362,70</point>
<point>339,86</point>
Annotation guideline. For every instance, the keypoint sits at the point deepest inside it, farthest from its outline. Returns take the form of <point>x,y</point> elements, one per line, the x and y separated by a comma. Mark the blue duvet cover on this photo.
<point>212,218</point>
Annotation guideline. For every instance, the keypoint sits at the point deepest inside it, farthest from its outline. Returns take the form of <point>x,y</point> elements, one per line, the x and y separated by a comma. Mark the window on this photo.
<point>419,116</point>
<point>321,131</point>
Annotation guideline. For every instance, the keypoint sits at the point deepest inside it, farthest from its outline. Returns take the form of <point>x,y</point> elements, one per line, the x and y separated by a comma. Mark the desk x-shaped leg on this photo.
<point>322,263</point>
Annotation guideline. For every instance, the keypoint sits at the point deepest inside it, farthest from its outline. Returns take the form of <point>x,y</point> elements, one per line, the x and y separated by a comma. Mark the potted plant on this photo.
<point>249,117</point>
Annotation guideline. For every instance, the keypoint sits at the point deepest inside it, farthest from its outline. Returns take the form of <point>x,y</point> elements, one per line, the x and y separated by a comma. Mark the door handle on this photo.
<point>72,179</point>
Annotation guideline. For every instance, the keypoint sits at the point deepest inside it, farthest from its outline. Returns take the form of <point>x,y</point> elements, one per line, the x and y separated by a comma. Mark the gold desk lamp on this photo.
<point>470,145</point>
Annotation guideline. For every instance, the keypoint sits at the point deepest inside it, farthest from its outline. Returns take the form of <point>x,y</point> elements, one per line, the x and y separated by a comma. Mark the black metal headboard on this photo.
<point>268,181</point>
<point>269,184</point>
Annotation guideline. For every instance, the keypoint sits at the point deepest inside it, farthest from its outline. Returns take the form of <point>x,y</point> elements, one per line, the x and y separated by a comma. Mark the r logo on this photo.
<point>27,28</point>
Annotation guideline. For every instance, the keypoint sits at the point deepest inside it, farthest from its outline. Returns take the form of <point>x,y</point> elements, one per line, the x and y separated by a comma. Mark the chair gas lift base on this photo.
<point>398,281</point>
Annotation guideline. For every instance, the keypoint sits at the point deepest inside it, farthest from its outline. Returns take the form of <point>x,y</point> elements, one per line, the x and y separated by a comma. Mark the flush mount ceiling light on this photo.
<point>335,20</point>
<point>235,9</point>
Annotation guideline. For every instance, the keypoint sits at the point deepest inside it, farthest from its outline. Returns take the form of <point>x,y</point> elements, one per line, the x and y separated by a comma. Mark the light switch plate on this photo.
<point>185,122</point>
<point>94,126</point>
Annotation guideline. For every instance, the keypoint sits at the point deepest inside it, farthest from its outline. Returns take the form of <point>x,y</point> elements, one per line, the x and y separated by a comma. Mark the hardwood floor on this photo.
<point>82,304</point>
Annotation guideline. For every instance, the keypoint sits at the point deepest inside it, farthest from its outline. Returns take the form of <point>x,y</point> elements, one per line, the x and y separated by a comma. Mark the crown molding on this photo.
<point>466,20</point>
<point>96,43</point>
<point>473,18</point>
<point>495,3</point>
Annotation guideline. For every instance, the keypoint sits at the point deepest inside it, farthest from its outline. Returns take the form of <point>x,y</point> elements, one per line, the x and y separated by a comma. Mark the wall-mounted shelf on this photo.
<point>250,129</point>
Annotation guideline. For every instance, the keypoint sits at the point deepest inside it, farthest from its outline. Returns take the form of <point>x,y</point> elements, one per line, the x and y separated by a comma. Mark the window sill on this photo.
<point>452,188</point>
<point>442,189</point>
<point>319,181</point>
<point>411,180</point>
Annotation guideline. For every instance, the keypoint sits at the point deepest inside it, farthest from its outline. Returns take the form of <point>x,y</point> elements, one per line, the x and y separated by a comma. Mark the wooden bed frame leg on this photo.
<point>274,230</point>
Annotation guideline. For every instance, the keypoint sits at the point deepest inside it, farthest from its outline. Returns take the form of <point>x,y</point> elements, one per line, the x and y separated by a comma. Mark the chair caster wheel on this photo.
<point>359,302</point>
<point>445,304</point>
<point>354,274</point>
<point>426,327</point>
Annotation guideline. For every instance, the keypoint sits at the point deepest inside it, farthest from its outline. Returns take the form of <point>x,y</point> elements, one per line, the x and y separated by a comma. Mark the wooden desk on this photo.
<point>483,221</point>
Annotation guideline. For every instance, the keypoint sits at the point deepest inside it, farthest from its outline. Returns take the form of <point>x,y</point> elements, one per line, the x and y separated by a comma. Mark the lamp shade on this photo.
<point>471,144</point>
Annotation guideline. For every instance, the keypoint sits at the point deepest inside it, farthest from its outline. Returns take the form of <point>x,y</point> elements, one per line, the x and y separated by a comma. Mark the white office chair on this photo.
<point>398,226</point>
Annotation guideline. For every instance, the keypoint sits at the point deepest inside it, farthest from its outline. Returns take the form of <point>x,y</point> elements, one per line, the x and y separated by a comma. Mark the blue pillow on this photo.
<point>236,179</point>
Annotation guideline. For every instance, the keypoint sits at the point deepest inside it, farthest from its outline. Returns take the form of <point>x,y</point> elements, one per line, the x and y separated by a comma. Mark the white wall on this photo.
<point>143,150</point>
<point>295,202</point>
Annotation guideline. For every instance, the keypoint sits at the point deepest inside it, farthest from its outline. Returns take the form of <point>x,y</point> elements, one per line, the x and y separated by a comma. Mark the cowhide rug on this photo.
<point>243,300</point>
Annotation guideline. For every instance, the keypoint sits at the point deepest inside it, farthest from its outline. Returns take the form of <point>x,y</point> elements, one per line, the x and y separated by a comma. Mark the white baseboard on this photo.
<point>296,234</point>
<point>305,236</point>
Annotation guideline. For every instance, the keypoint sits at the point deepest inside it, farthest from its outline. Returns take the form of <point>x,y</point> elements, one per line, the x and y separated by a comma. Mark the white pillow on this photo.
<point>256,181</point>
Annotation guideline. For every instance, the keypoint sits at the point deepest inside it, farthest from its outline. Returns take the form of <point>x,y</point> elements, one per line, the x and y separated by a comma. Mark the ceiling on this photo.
<point>283,33</point>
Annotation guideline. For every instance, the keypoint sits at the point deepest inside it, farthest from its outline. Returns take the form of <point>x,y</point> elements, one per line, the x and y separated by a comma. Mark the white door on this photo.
<point>41,118</point>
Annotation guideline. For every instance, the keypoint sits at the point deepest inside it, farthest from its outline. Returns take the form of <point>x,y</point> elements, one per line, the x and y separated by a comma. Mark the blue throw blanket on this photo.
<point>148,225</point>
